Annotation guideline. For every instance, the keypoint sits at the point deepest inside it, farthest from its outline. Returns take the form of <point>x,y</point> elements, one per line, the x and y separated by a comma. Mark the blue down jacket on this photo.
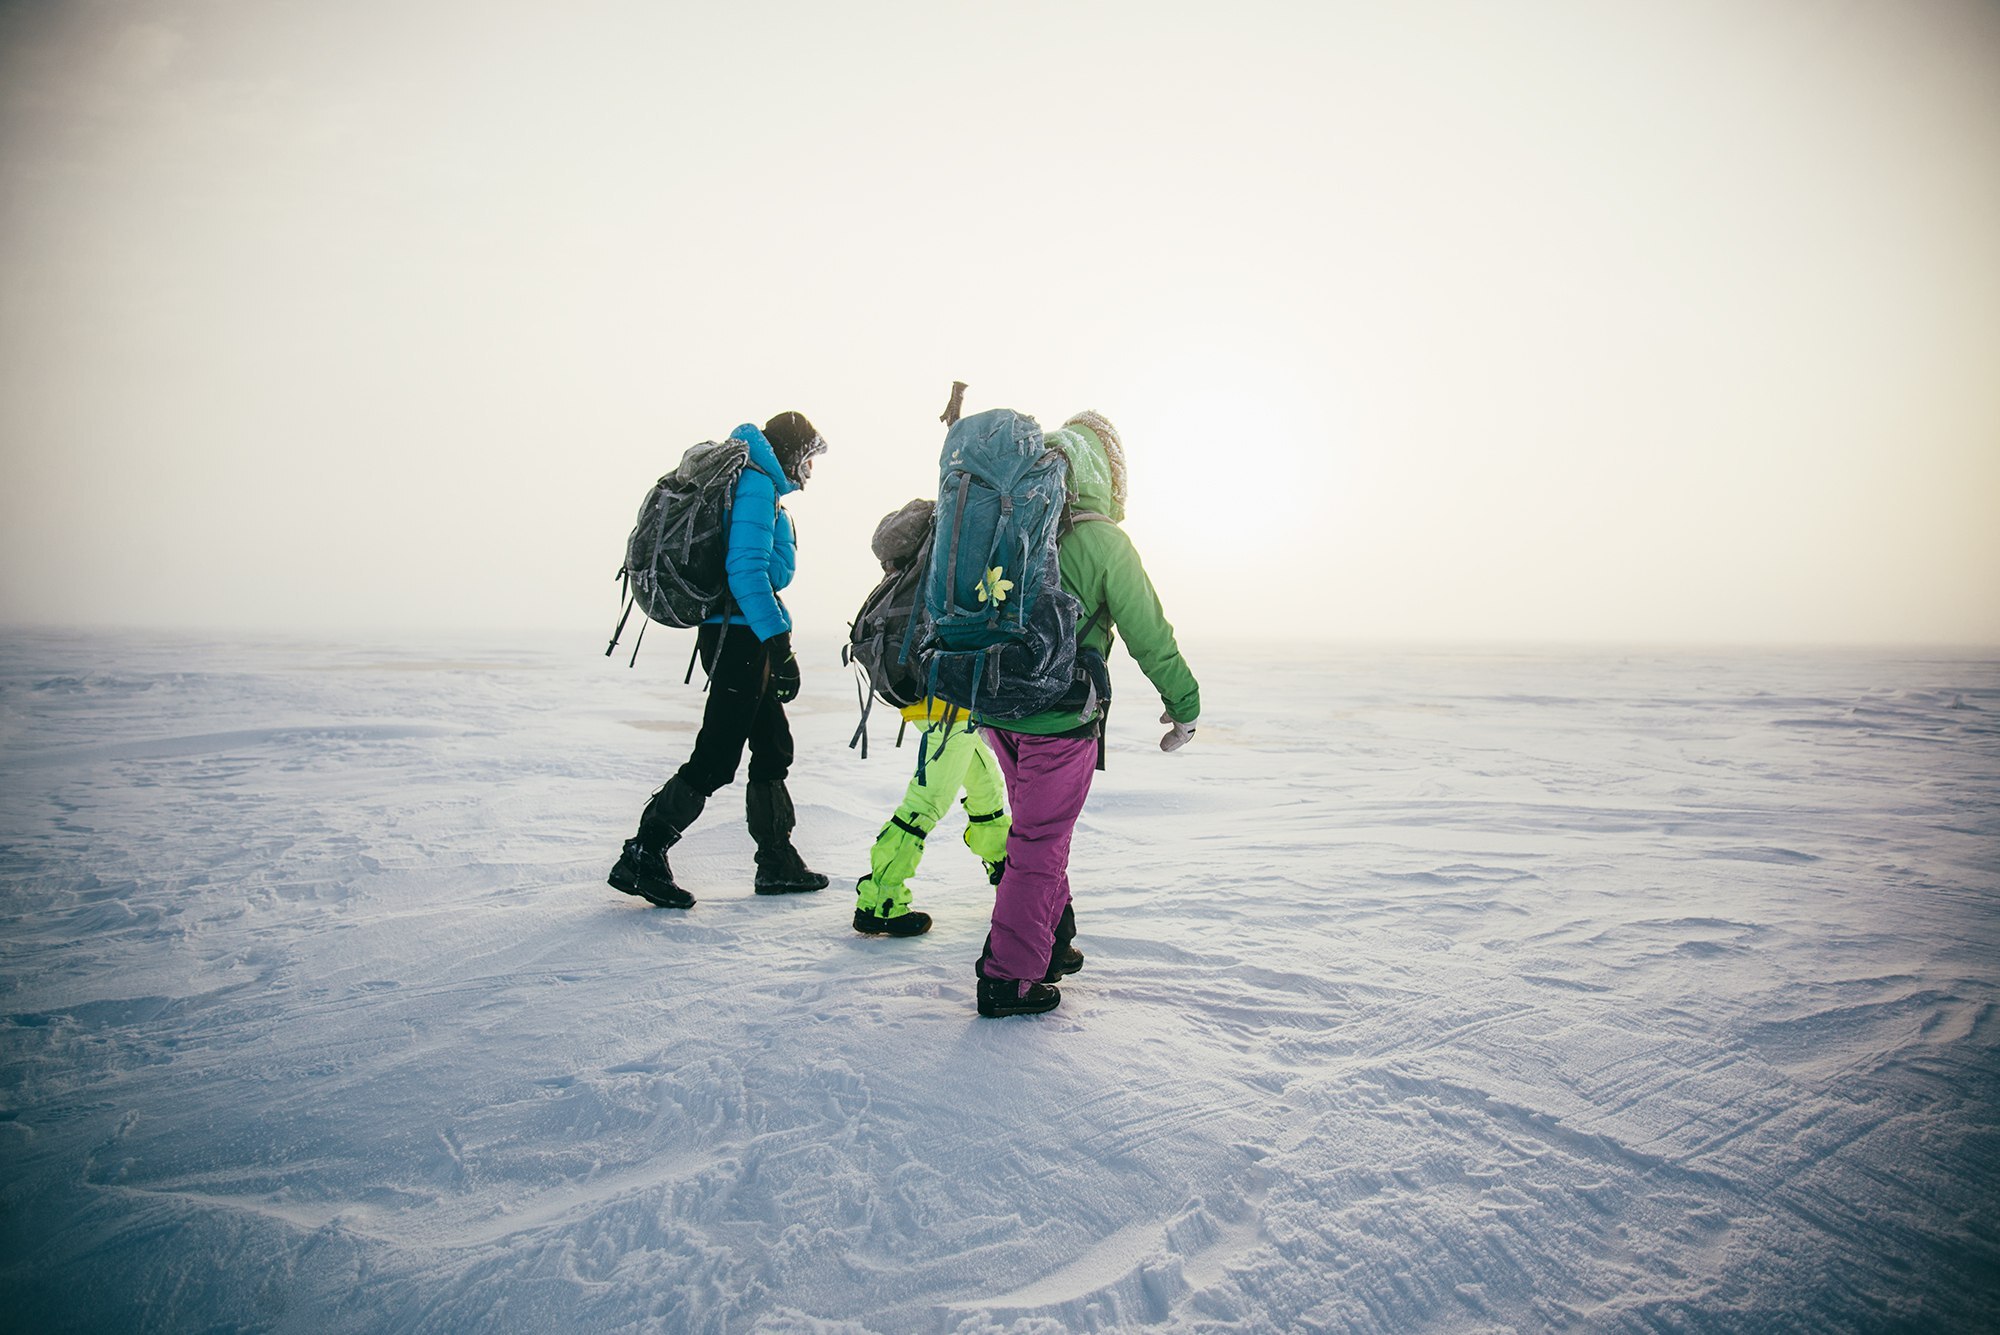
<point>762,550</point>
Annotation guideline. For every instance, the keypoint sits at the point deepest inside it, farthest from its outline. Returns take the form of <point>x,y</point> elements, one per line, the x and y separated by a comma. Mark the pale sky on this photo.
<point>1671,321</point>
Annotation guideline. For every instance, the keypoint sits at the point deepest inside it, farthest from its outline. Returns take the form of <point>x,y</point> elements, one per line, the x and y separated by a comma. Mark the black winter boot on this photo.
<point>645,873</point>
<point>1003,996</point>
<point>642,867</point>
<point>780,869</point>
<point>1063,957</point>
<point>1067,960</point>
<point>910,922</point>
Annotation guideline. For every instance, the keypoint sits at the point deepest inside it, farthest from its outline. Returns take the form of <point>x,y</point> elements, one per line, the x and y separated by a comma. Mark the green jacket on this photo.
<point>1101,567</point>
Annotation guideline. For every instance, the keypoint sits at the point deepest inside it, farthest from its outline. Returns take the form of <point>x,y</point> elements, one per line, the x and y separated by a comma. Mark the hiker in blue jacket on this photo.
<point>747,652</point>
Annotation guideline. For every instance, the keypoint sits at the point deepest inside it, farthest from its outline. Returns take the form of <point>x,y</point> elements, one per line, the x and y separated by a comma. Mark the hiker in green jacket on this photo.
<point>1049,758</point>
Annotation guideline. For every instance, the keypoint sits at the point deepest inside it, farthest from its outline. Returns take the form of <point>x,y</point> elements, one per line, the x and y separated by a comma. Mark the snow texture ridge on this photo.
<point>1426,992</point>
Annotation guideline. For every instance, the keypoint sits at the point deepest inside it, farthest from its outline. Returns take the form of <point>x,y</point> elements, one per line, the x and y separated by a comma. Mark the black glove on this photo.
<point>784,668</point>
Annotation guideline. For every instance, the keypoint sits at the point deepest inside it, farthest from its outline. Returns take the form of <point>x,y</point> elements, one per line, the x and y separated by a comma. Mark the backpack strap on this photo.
<point>630,599</point>
<point>867,703</point>
<point>1072,516</point>
<point>924,751</point>
<point>1090,623</point>
<point>957,518</point>
<point>1093,703</point>
<point>910,632</point>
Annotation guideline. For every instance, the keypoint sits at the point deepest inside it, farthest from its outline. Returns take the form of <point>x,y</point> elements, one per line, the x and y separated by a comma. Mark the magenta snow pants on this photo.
<point>1047,780</point>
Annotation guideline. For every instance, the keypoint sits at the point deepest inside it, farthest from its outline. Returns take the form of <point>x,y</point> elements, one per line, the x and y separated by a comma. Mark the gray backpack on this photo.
<point>887,631</point>
<point>673,571</point>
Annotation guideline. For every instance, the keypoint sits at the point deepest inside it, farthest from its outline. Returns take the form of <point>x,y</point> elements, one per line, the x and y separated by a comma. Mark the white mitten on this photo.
<point>1178,737</point>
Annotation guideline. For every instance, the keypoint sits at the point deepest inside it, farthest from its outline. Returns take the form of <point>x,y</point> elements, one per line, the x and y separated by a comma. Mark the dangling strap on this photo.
<point>867,703</point>
<point>901,728</point>
<point>693,654</point>
<point>624,578</point>
<point>923,739</point>
<point>619,629</point>
<point>925,752</point>
<point>638,640</point>
<point>909,638</point>
<point>1092,701</point>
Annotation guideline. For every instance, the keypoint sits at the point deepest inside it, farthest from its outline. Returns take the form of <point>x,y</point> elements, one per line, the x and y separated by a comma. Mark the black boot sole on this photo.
<point>672,898</point>
<point>792,887</point>
<point>912,922</point>
<point>1028,1005</point>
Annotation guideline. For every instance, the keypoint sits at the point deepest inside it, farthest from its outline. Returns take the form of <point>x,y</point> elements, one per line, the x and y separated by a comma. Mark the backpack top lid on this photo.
<point>999,445</point>
<point>900,535</point>
<point>709,464</point>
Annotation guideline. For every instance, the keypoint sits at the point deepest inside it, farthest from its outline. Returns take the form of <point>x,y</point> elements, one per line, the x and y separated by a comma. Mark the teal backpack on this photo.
<point>1003,632</point>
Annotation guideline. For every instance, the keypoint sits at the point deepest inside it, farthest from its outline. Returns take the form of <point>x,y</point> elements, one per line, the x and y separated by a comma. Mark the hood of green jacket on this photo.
<point>1096,463</point>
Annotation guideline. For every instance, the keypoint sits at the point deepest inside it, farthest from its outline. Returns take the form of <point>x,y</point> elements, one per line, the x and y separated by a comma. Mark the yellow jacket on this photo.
<point>928,711</point>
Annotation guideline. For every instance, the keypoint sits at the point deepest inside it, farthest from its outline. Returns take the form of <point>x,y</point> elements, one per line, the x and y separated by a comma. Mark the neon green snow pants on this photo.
<point>966,762</point>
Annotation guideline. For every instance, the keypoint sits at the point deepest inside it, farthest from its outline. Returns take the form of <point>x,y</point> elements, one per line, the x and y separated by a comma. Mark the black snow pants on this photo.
<point>741,710</point>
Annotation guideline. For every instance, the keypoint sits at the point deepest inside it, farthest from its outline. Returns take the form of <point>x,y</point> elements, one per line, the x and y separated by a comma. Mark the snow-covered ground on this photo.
<point>1425,992</point>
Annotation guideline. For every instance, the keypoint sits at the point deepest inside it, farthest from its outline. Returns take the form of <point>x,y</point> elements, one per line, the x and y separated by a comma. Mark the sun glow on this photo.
<point>1232,453</point>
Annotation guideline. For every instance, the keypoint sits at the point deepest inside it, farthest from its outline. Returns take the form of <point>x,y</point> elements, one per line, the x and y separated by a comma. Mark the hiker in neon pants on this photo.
<point>882,899</point>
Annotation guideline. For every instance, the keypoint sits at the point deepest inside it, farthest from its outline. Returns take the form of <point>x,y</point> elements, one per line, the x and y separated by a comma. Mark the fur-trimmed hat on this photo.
<point>794,440</point>
<point>1114,448</point>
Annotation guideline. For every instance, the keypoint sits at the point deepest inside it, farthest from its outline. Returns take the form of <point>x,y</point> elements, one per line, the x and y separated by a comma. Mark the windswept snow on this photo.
<point>1425,992</point>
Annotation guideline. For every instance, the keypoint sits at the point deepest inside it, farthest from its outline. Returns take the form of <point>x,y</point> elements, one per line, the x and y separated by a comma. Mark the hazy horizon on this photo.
<point>822,640</point>
<point>1442,324</point>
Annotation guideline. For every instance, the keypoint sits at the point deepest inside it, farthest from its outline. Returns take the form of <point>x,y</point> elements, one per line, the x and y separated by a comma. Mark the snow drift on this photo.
<point>1453,992</point>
